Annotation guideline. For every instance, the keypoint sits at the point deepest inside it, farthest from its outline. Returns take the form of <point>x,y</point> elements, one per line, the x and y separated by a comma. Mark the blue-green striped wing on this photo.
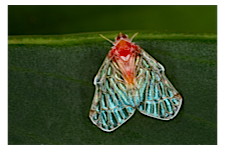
<point>112,104</point>
<point>158,97</point>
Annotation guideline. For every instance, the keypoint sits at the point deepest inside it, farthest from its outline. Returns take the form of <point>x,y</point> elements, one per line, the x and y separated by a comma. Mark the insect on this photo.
<point>131,79</point>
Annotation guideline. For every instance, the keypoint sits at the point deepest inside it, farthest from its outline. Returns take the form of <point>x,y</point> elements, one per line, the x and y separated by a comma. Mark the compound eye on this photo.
<point>121,36</point>
<point>124,36</point>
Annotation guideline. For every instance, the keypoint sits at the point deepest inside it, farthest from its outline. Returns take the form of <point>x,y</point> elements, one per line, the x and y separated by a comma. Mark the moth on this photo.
<point>131,79</point>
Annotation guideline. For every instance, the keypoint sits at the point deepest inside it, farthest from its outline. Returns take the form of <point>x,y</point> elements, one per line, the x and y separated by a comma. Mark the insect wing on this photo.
<point>159,99</point>
<point>112,105</point>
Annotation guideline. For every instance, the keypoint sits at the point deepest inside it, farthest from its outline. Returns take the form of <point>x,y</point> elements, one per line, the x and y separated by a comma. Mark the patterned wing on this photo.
<point>159,99</point>
<point>112,104</point>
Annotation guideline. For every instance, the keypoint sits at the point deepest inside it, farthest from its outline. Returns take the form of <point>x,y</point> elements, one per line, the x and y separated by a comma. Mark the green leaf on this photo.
<point>50,89</point>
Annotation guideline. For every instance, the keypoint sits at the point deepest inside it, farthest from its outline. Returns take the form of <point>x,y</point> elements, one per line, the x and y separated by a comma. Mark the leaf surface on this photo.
<point>50,89</point>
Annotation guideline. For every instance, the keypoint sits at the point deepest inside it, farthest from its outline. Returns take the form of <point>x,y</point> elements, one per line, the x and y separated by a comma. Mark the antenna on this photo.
<point>107,39</point>
<point>133,36</point>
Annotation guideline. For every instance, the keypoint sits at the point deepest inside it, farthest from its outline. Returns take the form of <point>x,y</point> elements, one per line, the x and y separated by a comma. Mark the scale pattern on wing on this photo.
<point>159,99</point>
<point>112,105</point>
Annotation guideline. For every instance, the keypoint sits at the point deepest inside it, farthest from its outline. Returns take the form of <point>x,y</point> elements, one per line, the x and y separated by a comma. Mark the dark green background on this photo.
<point>50,77</point>
<point>74,19</point>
